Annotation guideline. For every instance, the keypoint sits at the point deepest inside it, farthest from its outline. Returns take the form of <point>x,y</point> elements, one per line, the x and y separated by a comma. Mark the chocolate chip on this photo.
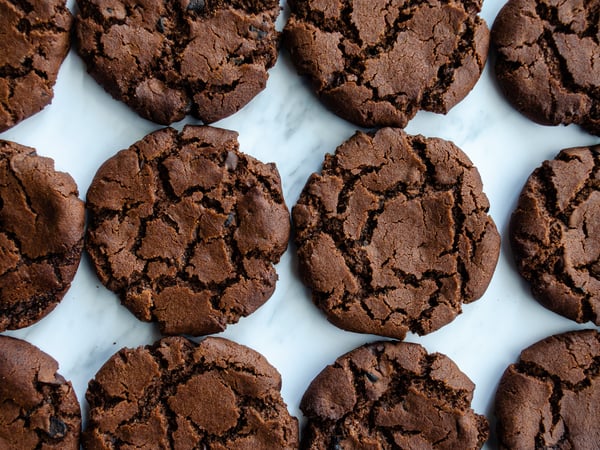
<point>160,25</point>
<point>231,161</point>
<point>230,219</point>
<point>371,377</point>
<point>197,6</point>
<point>58,428</point>
<point>259,33</point>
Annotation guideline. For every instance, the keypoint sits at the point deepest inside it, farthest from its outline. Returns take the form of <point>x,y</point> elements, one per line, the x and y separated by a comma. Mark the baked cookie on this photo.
<point>555,234</point>
<point>34,43</point>
<point>394,234</point>
<point>548,59</point>
<point>38,408</point>
<point>551,397</point>
<point>186,229</point>
<point>41,235</point>
<point>392,395</point>
<point>378,62</point>
<point>176,394</point>
<point>166,59</point>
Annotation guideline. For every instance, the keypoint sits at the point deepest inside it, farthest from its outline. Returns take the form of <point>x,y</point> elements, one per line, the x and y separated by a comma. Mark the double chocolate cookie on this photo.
<point>549,58</point>
<point>166,59</point>
<point>38,408</point>
<point>555,234</point>
<point>394,234</point>
<point>392,395</point>
<point>186,229</point>
<point>34,42</point>
<point>41,235</point>
<point>376,62</point>
<point>551,397</point>
<point>176,394</point>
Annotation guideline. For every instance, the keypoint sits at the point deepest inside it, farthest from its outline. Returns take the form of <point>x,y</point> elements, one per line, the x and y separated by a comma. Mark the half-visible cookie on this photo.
<point>38,407</point>
<point>551,397</point>
<point>186,229</point>
<point>394,234</point>
<point>377,63</point>
<point>555,234</point>
<point>176,394</point>
<point>41,235</point>
<point>549,58</point>
<point>392,395</point>
<point>166,59</point>
<point>34,43</point>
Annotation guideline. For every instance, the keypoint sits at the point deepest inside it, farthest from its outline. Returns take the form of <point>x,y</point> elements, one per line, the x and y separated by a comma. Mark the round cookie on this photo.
<point>166,59</point>
<point>392,395</point>
<point>550,398</point>
<point>548,54</point>
<point>186,229</point>
<point>35,41</point>
<point>41,235</point>
<point>176,394</point>
<point>376,62</point>
<point>394,234</point>
<point>555,234</point>
<point>38,408</point>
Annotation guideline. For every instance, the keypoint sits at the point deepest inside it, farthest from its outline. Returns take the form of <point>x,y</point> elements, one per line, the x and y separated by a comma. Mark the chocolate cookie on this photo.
<point>555,234</point>
<point>186,229</point>
<point>392,395</point>
<point>551,397</point>
<point>34,42</point>
<point>394,234</point>
<point>38,408</point>
<point>176,394</point>
<point>41,235</point>
<point>166,59</point>
<point>548,59</point>
<point>376,62</point>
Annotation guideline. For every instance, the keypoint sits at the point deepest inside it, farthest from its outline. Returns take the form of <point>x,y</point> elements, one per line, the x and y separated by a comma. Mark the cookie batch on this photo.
<point>391,236</point>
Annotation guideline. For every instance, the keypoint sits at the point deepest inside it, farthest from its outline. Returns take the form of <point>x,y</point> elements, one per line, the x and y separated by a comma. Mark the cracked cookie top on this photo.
<point>38,407</point>
<point>378,62</point>
<point>549,58</point>
<point>186,229</point>
<point>41,235</point>
<point>166,59</point>
<point>176,394</point>
<point>34,42</point>
<point>389,395</point>
<point>394,234</point>
<point>550,398</point>
<point>555,234</point>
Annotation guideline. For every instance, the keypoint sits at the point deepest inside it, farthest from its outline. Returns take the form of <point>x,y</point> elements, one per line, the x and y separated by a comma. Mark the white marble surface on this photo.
<point>286,124</point>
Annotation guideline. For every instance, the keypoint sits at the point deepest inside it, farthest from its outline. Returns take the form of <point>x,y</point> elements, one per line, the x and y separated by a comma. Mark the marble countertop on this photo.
<point>287,125</point>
